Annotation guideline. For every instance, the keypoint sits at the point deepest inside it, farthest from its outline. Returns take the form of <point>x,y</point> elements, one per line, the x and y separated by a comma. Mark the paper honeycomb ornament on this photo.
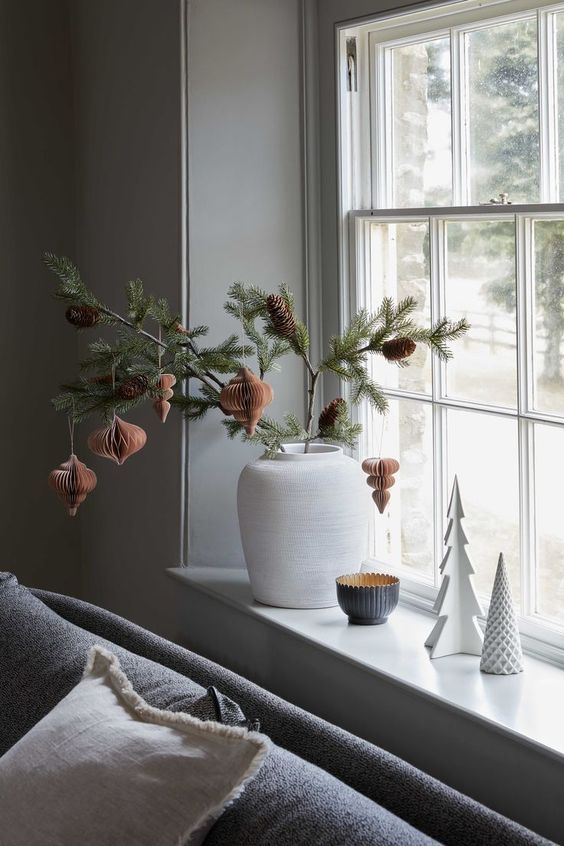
<point>165,385</point>
<point>381,479</point>
<point>501,653</point>
<point>118,441</point>
<point>72,481</point>
<point>245,397</point>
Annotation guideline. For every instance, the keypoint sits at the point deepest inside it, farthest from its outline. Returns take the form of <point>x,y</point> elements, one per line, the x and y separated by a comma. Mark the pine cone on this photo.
<point>398,348</point>
<point>281,317</point>
<point>133,387</point>
<point>330,413</point>
<point>82,316</point>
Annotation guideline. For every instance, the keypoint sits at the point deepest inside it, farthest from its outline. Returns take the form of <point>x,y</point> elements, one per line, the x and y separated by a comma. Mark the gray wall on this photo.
<point>245,223</point>
<point>245,217</point>
<point>127,95</point>
<point>39,542</point>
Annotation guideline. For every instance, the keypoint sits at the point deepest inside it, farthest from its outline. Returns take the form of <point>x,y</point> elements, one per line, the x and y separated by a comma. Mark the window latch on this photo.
<point>501,200</point>
<point>351,64</point>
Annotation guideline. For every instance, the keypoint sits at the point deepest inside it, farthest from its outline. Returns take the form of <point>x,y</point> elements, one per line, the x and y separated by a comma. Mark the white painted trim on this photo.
<point>536,210</point>
<point>413,20</point>
<point>548,107</point>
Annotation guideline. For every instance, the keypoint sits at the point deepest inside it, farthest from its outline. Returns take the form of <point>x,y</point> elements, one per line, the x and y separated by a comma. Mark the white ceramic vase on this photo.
<point>304,521</point>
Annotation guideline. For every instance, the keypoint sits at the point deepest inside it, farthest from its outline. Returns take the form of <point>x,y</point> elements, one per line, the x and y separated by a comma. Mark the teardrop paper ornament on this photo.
<point>118,441</point>
<point>162,405</point>
<point>245,397</point>
<point>380,478</point>
<point>72,481</point>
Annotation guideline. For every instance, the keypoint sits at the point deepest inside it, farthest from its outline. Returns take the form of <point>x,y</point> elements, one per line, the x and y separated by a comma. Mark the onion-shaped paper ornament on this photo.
<point>380,478</point>
<point>72,481</point>
<point>245,397</point>
<point>118,441</point>
<point>162,405</point>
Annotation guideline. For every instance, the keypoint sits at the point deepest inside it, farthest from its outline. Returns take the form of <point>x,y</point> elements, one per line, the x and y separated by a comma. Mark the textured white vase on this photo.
<point>304,521</point>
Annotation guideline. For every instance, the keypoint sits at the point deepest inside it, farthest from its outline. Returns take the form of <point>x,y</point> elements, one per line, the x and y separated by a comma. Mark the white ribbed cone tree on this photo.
<point>501,655</point>
<point>457,605</point>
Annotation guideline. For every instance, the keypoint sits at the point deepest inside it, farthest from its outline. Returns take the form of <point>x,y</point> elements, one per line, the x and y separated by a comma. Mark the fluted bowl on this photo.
<point>368,599</point>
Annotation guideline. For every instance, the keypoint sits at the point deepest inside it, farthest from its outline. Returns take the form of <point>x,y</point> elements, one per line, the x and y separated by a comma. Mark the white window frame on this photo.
<point>365,197</point>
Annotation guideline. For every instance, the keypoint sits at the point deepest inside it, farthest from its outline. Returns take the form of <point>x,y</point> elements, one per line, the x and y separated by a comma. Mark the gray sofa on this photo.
<point>320,784</point>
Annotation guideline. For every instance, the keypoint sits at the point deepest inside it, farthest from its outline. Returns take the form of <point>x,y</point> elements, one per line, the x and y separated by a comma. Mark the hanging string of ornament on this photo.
<point>165,384</point>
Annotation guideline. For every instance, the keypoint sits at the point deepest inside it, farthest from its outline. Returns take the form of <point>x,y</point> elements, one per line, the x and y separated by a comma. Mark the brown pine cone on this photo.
<point>83,317</point>
<point>330,413</point>
<point>398,348</point>
<point>133,387</point>
<point>281,317</point>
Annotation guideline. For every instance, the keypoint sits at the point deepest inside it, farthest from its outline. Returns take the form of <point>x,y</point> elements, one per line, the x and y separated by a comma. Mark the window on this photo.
<point>452,180</point>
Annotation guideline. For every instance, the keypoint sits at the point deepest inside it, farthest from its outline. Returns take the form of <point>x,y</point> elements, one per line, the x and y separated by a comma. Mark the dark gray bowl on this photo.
<point>368,599</point>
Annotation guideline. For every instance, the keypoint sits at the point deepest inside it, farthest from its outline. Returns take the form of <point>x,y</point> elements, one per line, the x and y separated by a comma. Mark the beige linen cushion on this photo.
<point>104,768</point>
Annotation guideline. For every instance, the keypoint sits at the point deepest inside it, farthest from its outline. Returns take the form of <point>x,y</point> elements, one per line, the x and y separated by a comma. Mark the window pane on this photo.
<point>548,296</point>
<point>549,472</point>
<point>482,450</point>
<point>480,285</point>
<point>403,534</point>
<point>502,112</point>
<point>421,124</point>
<point>399,267</point>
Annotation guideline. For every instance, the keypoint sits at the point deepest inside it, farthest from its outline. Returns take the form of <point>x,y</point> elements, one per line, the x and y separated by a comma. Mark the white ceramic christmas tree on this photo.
<point>457,605</point>
<point>501,655</point>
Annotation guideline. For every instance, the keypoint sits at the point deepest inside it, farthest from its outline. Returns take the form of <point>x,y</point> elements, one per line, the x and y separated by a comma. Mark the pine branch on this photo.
<point>194,407</point>
<point>138,352</point>
<point>138,304</point>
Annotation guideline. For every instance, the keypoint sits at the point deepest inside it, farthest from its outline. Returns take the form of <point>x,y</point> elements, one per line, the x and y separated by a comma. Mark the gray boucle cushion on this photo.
<point>290,803</point>
<point>294,803</point>
<point>42,657</point>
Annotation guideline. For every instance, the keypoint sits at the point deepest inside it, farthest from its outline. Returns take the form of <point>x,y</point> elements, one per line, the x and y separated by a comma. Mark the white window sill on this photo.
<point>528,706</point>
